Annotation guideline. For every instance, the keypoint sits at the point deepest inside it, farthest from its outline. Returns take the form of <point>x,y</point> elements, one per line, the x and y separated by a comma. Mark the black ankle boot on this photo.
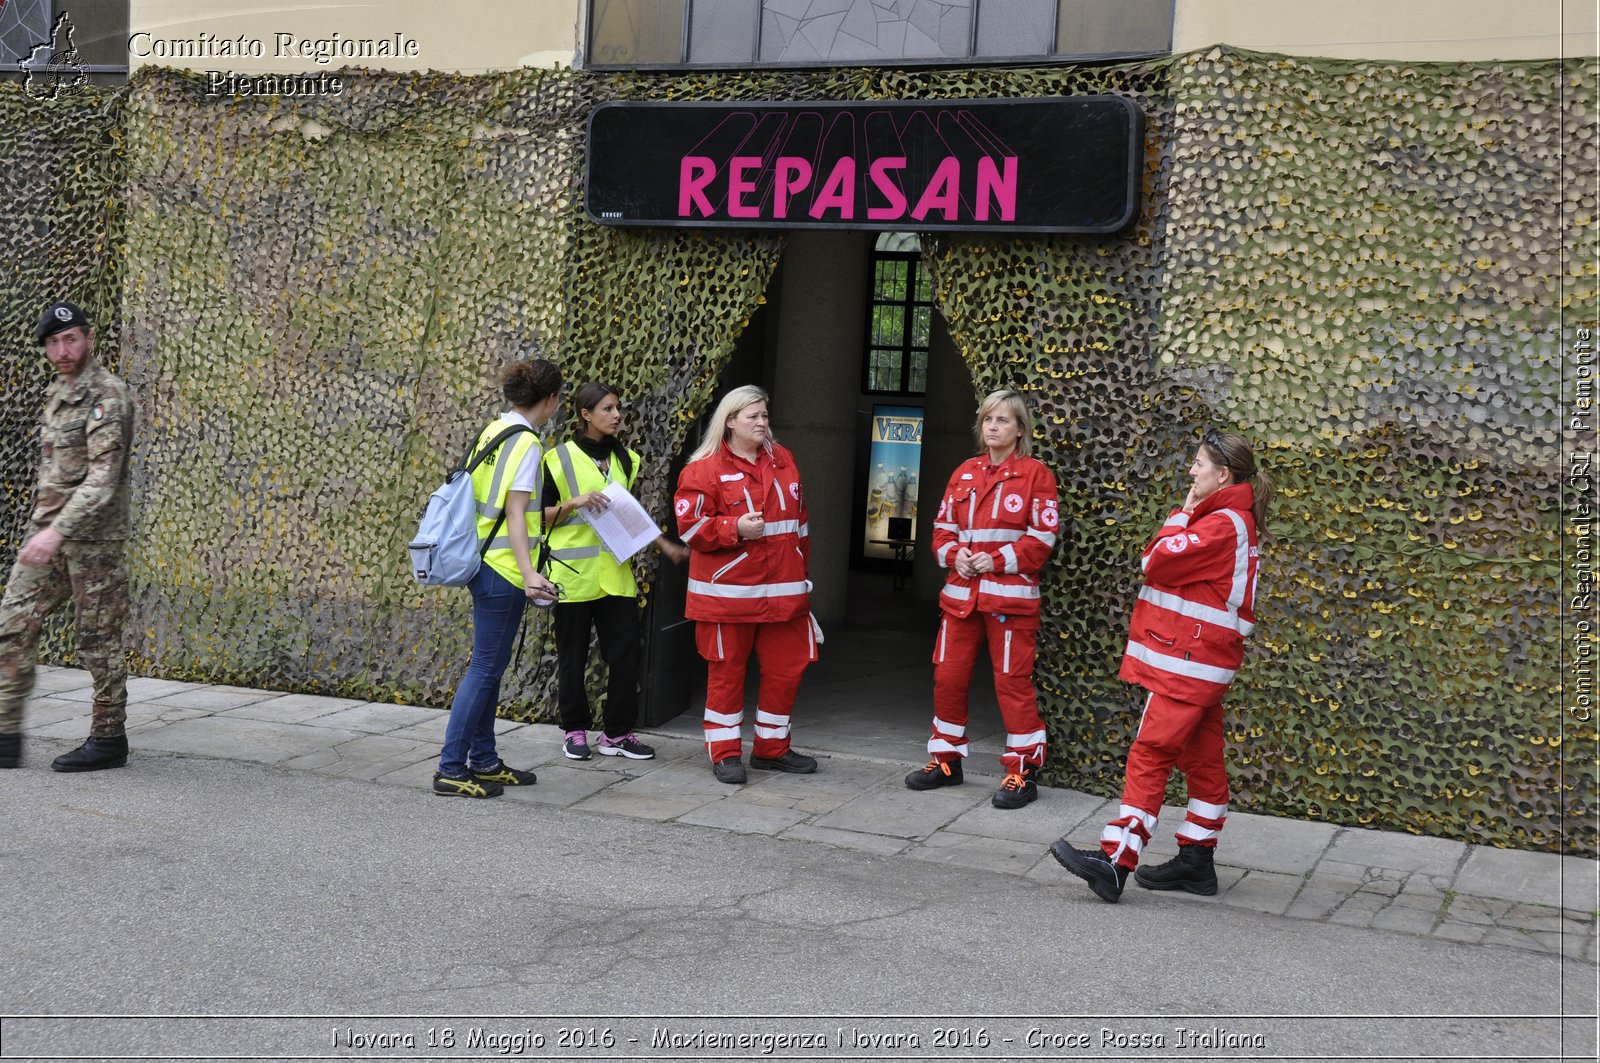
<point>1190,870</point>
<point>98,752</point>
<point>10,750</point>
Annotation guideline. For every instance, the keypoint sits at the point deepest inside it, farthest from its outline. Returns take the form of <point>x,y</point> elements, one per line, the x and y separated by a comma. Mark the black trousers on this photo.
<point>617,622</point>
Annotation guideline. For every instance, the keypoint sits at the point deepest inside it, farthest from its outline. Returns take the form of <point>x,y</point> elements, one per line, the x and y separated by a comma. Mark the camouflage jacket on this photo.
<point>84,441</point>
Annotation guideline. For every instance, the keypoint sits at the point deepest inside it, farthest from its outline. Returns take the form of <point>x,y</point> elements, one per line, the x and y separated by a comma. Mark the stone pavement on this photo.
<point>1541,902</point>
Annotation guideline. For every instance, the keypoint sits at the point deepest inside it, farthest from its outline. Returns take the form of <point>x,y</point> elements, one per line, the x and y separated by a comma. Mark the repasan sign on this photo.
<point>1066,164</point>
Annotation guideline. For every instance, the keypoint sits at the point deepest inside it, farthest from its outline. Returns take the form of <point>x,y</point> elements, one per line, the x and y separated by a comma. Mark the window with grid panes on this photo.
<point>899,318</point>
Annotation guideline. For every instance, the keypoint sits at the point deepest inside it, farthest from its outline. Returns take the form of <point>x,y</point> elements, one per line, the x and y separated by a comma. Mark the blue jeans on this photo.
<point>497,606</point>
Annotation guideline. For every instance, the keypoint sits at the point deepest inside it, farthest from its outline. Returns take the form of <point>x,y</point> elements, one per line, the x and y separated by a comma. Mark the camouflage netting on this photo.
<point>61,182</point>
<point>1355,264</point>
<point>1350,262</point>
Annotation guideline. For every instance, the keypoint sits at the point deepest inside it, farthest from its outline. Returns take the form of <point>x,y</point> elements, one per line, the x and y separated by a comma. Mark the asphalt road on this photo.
<point>227,910</point>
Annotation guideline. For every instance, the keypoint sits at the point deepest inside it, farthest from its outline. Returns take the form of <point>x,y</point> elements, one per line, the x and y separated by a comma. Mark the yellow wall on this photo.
<point>467,37</point>
<point>501,34</point>
<point>1391,29</point>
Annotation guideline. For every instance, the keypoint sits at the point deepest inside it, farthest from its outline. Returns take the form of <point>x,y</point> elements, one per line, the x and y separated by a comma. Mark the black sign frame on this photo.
<point>1065,164</point>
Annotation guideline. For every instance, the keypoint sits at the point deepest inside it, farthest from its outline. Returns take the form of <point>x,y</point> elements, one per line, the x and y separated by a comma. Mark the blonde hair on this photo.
<point>733,403</point>
<point>1015,405</point>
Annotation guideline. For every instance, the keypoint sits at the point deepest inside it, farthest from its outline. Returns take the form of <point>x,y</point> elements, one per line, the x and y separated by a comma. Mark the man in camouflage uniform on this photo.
<point>75,543</point>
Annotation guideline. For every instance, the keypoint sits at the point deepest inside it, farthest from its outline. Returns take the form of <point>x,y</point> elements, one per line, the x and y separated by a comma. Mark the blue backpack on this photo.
<point>446,551</point>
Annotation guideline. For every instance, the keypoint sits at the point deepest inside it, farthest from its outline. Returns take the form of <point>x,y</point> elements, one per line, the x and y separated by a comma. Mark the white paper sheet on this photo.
<point>623,526</point>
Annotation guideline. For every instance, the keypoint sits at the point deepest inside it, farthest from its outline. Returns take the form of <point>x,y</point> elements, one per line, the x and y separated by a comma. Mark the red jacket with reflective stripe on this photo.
<point>1197,604</point>
<point>1008,512</point>
<point>734,580</point>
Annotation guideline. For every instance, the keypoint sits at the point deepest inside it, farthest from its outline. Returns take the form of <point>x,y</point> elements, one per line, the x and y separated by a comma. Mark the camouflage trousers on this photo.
<point>95,574</point>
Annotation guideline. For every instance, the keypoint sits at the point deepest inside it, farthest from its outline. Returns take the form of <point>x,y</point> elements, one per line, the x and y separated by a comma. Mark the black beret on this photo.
<point>57,317</point>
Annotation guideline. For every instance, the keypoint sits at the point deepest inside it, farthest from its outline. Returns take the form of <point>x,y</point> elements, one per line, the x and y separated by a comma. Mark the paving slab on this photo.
<point>1397,850</point>
<point>986,854</point>
<point>1451,930</point>
<point>745,817</point>
<point>901,813</point>
<point>45,712</point>
<point>1054,814</point>
<point>242,739</point>
<point>1516,875</point>
<point>378,717</point>
<point>418,776</point>
<point>433,730</point>
<point>846,839</point>
<point>674,778</point>
<point>211,699</point>
<point>1340,877</point>
<point>558,785</point>
<point>143,712</point>
<point>836,782</point>
<point>76,728</point>
<point>47,679</point>
<point>1358,909</point>
<point>290,708</point>
<point>1540,917</point>
<point>366,757</point>
<point>1407,920</point>
<point>1283,846</point>
<point>1314,902</point>
<point>658,807</point>
<point>140,688</point>
<point>1263,891</point>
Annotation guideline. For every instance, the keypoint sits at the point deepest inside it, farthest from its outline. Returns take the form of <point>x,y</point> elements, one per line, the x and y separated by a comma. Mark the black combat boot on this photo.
<point>1103,875</point>
<point>100,751</point>
<point>1190,870</point>
<point>10,750</point>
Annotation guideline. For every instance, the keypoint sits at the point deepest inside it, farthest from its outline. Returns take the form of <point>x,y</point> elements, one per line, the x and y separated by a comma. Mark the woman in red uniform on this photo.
<point>1185,643</point>
<point>742,513</point>
<point>994,531</point>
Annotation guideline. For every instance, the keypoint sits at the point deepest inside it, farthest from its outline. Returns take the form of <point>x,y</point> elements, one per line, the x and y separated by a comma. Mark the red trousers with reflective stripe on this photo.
<point>784,649</point>
<point>1011,646</point>
<point>1175,734</point>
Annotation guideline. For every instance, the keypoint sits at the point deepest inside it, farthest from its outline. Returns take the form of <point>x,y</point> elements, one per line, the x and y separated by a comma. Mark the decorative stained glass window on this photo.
<point>899,318</point>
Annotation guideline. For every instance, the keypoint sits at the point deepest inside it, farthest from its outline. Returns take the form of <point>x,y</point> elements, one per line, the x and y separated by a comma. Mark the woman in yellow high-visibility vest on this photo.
<point>597,591</point>
<point>469,766</point>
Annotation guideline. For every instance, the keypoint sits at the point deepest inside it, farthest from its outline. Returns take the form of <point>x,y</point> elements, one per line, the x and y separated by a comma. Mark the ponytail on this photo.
<point>1231,450</point>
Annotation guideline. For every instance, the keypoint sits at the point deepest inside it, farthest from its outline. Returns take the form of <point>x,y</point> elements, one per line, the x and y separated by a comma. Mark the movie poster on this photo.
<point>893,465</point>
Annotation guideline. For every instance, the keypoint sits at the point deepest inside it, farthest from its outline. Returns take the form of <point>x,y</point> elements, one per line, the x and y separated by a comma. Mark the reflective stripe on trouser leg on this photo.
<point>1011,652</point>
<point>1206,775</point>
<point>955,652</point>
<point>726,648</point>
<point>784,649</point>
<point>1123,839</point>
<point>1202,822</point>
<point>949,741</point>
<point>771,725</point>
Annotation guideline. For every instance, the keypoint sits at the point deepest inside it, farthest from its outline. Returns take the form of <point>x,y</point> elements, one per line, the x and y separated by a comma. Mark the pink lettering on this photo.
<point>1003,189</point>
<point>943,191</point>
<point>838,191</point>
<point>694,173</point>
<point>886,184</point>
<point>739,186</point>
<point>794,174</point>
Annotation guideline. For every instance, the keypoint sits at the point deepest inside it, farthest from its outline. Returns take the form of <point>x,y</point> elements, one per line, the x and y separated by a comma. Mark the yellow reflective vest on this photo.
<point>491,484</point>
<point>593,572</point>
